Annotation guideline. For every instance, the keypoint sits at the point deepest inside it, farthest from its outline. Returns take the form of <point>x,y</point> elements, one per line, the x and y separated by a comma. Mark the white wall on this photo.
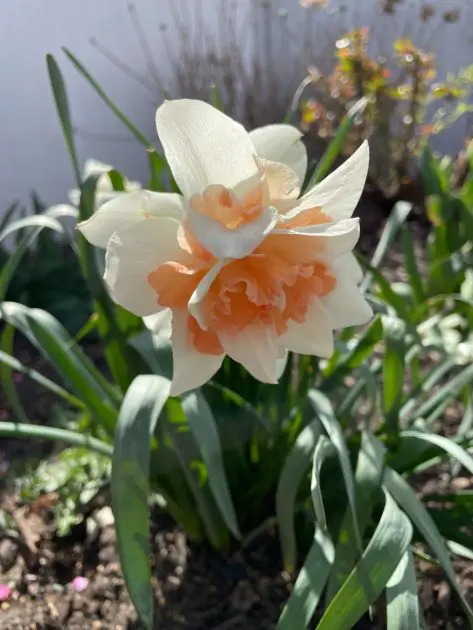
<point>32,152</point>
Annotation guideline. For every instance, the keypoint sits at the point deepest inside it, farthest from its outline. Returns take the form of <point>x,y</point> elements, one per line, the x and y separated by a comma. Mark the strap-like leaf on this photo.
<point>189,457</point>
<point>394,367</point>
<point>38,432</point>
<point>419,516</point>
<point>295,467</point>
<point>334,148</point>
<point>401,597</point>
<point>398,216</point>
<point>367,581</point>
<point>449,446</point>
<point>323,449</point>
<point>368,478</point>
<point>203,426</point>
<point>309,585</point>
<point>62,105</point>
<point>45,382</point>
<point>139,413</point>
<point>55,344</point>
<point>324,411</point>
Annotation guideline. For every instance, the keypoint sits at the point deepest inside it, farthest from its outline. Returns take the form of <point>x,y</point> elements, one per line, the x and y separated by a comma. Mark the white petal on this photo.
<point>281,365</point>
<point>201,291</point>
<point>346,304</point>
<point>237,243</point>
<point>352,267</point>
<point>338,194</point>
<point>281,182</point>
<point>127,209</point>
<point>331,239</point>
<point>160,323</point>
<point>101,198</point>
<point>314,336</point>
<point>281,143</point>
<point>203,146</point>
<point>191,369</point>
<point>258,349</point>
<point>95,167</point>
<point>134,253</point>
<point>74,196</point>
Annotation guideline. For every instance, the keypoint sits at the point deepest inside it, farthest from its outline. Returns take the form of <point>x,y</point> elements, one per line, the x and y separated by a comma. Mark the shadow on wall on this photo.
<point>254,51</point>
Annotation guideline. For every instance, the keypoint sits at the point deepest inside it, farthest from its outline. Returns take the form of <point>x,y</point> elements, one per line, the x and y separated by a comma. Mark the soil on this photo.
<point>195,587</point>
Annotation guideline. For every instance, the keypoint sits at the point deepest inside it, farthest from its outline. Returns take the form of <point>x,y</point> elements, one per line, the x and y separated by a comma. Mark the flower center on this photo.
<point>270,287</point>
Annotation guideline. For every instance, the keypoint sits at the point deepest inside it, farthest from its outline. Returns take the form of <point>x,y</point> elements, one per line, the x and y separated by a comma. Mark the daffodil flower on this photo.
<point>239,264</point>
<point>104,189</point>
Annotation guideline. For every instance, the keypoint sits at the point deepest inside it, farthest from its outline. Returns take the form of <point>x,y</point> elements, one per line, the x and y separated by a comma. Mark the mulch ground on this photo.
<point>195,587</point>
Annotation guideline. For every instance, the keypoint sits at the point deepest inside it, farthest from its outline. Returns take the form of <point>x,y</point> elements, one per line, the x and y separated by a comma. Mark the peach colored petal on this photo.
<point>293,249</point>
<point>223,205</point>
<point>204,341</point>
<point>311,216</point>
<point>174,283</point>
<point>188,242</point>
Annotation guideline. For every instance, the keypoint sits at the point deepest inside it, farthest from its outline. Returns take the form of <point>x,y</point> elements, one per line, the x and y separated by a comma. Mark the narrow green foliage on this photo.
<point>385,550</point>
<point>62,105</point>
<point>401,596</point>
<point>137,420</point>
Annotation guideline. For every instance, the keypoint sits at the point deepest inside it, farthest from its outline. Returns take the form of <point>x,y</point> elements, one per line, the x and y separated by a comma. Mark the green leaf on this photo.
<point>422,520</point>
<point>460,550</point>
<point>204,428</point>
<point>386,292</point>
<point>137,420</point>
<point>155,350</point>
<point>394,368</point>
<point>6,216</point>
<point>398,216</point>
<point>368,580</point>
<point>358,353</point>
<point>215,98</point>
<point>335,147</point>
<point>113,322</point>
<point>430,380</point>
<point>368,478</point>
<point>117,180</point>
<point>34,226</point>
<point>55,344</point>
<point>449,446</point>
<point>62,105</point>
<point>187,453</point>
<point>324,411</point>
<point>463,430</point>
<point>401,597</point>
<point>309,585</point>
<point>412,268</point>
<point>449,391</point>
<point>324,448</point>
<point>51,386</point>
<point>430,172</point>
<point>36,432</point>
<point>156,161</point>
<point>6,377</point>
<point>295,467</point>
<point>35,221</point>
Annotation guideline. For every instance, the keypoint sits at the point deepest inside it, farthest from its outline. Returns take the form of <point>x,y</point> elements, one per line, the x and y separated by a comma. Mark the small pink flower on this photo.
<point>5,592</point>
<point>79,584</point>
